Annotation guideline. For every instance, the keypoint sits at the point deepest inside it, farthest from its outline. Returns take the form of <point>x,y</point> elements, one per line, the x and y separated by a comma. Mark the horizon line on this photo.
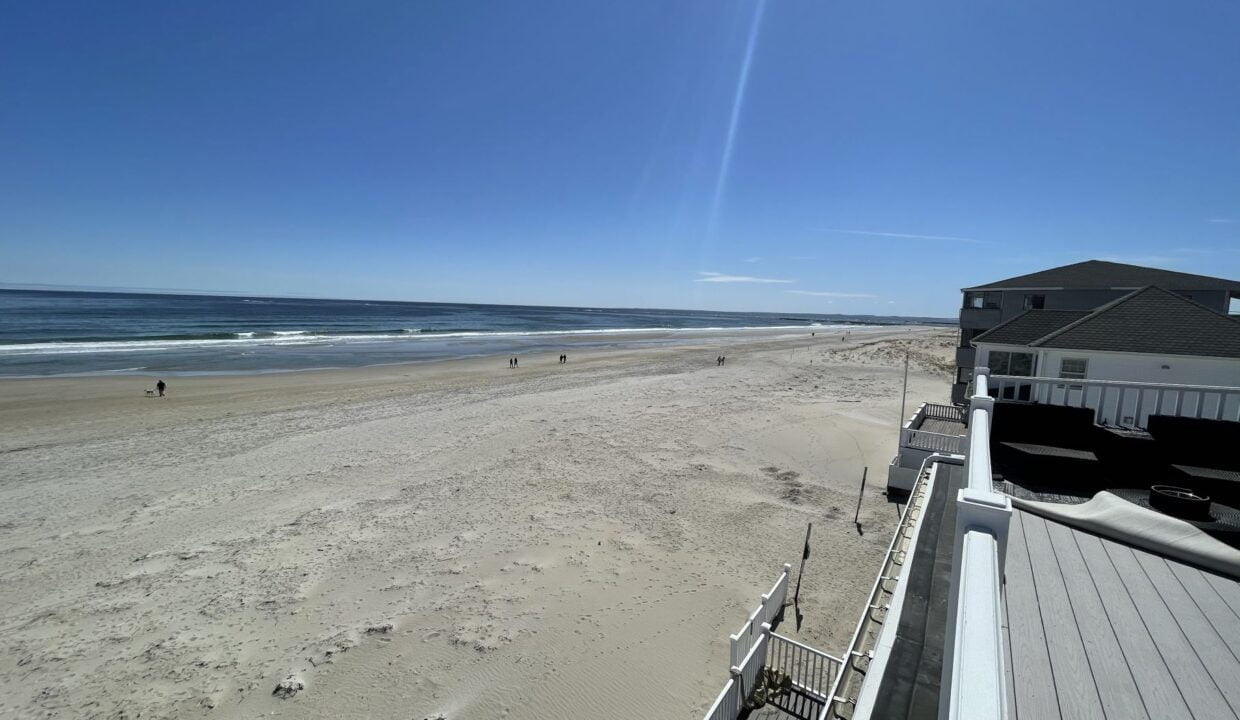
<point>121,290</point>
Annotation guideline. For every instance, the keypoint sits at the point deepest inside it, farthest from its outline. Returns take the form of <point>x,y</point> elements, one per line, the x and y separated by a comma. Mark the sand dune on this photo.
<point>455,540</point>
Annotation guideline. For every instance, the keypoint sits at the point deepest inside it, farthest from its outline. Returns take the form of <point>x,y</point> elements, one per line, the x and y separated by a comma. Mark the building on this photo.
<point>1077,287</point>
<point>1150,336</point>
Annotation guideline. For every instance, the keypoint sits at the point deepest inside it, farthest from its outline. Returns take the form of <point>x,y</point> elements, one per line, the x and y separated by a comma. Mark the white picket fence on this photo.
<point>744,678</point>
<point>813,672</point>
<point>766,612</point>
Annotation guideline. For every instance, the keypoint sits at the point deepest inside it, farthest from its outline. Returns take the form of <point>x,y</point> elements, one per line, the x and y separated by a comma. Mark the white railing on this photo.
<point>1122,403</point>
<point>767,611</point>
<point>934,411</point>
<point>912,436</point>
<point>977,644</point>
<point>731,701</point>
<point>973,649</point>
<point>813,672</point>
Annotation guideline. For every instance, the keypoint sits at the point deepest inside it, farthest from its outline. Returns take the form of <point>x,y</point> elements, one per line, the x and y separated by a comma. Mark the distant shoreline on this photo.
<point>520,344</point>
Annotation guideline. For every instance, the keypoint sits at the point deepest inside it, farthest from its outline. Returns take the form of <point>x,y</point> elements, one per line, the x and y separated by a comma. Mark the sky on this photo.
<point>779,155</point>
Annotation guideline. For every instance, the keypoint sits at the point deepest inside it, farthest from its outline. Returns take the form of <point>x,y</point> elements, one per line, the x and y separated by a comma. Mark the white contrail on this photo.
<point>737,101</point>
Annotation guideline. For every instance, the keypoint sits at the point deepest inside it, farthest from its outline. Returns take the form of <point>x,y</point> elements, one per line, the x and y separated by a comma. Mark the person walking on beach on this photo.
<point>515,363</point>
<point>160,387</point>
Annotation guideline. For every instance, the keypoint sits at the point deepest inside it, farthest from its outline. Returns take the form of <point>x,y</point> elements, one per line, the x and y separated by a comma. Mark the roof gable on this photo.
<point>1103,275</point>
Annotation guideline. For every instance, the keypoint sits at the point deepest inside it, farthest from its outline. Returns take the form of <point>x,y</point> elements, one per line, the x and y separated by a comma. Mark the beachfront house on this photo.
<point>1078,287</point>
<point>1123,359</point>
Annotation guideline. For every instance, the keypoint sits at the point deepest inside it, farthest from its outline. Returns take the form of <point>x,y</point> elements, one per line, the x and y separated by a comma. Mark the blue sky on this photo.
<point>871,157</point>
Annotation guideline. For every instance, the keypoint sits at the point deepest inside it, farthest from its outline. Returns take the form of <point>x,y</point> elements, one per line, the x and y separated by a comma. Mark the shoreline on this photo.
<point>539,342</point>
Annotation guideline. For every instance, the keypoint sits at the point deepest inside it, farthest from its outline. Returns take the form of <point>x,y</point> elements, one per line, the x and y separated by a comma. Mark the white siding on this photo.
<point>1134,367</point>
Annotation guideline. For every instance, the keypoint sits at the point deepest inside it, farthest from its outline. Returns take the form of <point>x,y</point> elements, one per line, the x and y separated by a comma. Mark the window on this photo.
<point>967,335</point>
<point>1002,362</point>
<point>982,300</point>
<point>1073,368</point>
<point>1035,302</point>
<point>964,375</point>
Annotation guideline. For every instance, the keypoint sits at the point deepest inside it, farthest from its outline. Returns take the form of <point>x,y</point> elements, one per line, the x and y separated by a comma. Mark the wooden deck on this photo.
<point>1098,629</point>
<point>942,427</point>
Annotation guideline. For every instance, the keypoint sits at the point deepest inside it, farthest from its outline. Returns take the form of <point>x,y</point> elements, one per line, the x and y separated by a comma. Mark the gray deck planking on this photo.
<point>1007,663</point>
<point>1074,679</point>
<point>1158,691</point>
<point>943,427</point>
<point>1095,628</point>
<point>1117,689</point>
<point>1229,590</point>
<point>1033,680</point>
<point>1209,647</point>
<point>1196,685</point>
<point>1224,620</point>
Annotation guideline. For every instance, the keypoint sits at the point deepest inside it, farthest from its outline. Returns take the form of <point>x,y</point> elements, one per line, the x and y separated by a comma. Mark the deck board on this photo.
<point>1074,680</point>
<point>1224,620</point>
<point>1153,681</point>
<point>1228,590</point>
<point>1007,662</point>
<point>1208,646</point>
<point>1034,683</point>
<point>1117,689</point>
<point>1196,685</point>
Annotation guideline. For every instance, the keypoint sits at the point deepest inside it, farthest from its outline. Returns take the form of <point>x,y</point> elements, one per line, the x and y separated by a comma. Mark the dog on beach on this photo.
<point>150,393</point>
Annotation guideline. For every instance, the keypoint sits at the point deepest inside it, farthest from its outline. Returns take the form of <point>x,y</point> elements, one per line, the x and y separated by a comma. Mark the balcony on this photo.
<point>932,429</point>
<point>979,318</point>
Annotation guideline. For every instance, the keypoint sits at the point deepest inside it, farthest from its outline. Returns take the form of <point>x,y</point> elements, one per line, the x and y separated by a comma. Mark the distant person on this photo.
<point>515,363</point>
<point>160,387</point>
<point>723,359</point>
<point>718,360</point>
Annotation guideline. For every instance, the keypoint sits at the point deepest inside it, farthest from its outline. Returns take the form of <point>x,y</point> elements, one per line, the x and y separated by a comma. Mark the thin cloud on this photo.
<point>752,260</point>
<point>902,236</point>
<point>825,293</point>
<point>1221,221</point>
<point>714,277</point>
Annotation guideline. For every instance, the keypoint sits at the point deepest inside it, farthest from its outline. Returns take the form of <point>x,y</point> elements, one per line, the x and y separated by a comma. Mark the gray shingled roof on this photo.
<point>1100,274</point>
<point>1030,326</point>
<point>1150,320</point>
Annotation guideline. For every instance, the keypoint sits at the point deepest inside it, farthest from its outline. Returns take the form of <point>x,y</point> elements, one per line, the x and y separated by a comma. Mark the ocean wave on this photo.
<point>290,338</point>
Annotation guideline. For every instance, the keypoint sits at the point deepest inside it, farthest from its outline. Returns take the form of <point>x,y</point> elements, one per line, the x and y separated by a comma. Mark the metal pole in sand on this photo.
<point>904,390</point>
<point>860,495</point>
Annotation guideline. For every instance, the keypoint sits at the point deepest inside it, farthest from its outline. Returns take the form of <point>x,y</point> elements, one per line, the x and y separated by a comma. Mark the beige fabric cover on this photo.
<point>1113,517</point>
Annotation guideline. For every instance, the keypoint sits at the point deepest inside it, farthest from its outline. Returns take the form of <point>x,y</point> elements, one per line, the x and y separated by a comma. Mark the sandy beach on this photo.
<point>449,540</point>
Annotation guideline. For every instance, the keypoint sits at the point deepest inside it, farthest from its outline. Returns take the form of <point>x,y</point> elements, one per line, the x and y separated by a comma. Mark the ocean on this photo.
<point>74,333</point>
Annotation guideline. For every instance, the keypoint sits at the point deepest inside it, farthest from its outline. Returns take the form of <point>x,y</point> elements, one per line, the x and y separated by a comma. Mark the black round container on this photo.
<point>1180,502</point>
